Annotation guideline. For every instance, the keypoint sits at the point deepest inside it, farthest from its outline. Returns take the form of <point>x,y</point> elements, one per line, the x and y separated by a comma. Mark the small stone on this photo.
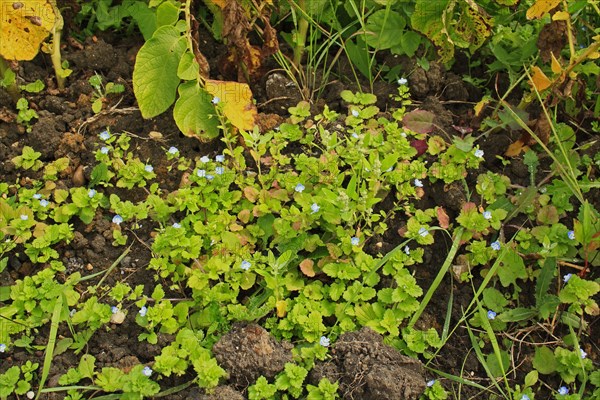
<point>89,267</point>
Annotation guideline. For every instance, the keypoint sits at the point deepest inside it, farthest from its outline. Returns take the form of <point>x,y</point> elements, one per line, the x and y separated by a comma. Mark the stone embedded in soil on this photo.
<point>247,352</point>
<point>366,368</point>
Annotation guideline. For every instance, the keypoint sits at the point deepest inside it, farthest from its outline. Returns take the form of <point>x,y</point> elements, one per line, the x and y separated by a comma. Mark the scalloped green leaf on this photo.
<point>155,77</point>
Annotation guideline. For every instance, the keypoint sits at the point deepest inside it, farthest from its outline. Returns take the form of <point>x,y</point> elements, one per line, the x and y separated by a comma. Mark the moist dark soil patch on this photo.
<point>364,366</point>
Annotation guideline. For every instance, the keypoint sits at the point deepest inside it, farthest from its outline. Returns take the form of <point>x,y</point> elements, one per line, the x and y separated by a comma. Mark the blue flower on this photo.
<point>299,188</point>
<point>355,113</point>
<point>176,225</point>
<point>173,150</point>
<point>114,309</point>
<point>423,232</point>
<point>24,217</point>
<point>407,250</point>
<point>143,311</point>
<point>204,159</point>
<point>582,353</point>
<point>418,183</point>
<point>72,312</point>
<point>104,150</point>
<point>37,196</point>
<point>487,214</point>
<point>495,245</point>
<point>402,81</point>
<point>324,341</point>
<point>355,135</point>
<point>148,168</point>
<point>210,177</point>
<point>44,203</point>
<point>571,235</point>
<point>220,158</point>
<point>479,153</point>
<point>105,135</point>
<point>201,173</point>
<point>216,100</point>
<point>219,170</point>
<point>431,383</point>
<point>91,193</point>
<point>245,265</point>
<point>314,207</point>
<point>525,397</point>
<point>117,219</point>
<point>563,390</point>
<point>567,277</point>
<point>2,347</point>
<point>147,371</point>
<point>491,314</point>
<point>355,241</point>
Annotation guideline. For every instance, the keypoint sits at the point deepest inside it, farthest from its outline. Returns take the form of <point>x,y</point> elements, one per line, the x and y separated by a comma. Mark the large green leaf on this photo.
<point>194,112</point>
<point>385,28</point>
<point>155,77</point>
<point>432,19</point>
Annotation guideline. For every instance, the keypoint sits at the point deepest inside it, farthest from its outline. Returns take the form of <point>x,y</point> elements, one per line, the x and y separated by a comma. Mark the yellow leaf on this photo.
<point>281,306</point>
<point>540,8</point>
<point>561,16</point>
<point>540,80</point>
<point>556,67</point>
<point>593,55</point>
<point>481,105</point>
<point>238,105</point>
<point>516,148</point>
<point>23,27</point>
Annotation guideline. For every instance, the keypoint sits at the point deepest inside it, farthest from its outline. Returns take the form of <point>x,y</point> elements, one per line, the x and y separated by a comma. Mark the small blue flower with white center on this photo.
<point>143,311</point>
<point>355,113</point>
<point>567,277</point>
<point>204,159</point>
<point>215,100</point>
<point>495,245</point>
<point>176,225</point>
<point>201,173</point>
<point>104,150</point>
<point>220,158</point>
<point>24,217</point>
<point>423,232</point>
<point>525,397</point>
<point>245,265</point>
<point>37,196</point>
<point>314,207</point>
<point>479,153</point>
<point>407,250</point>
<point>173,150</point>
<point>91,193</point>
<point>563,390</point>
<point>431,383</point>
<point>72,312</point>
<point>299,188</point>
<point>219,170</point>
<point>117,219</point>
<point>105,135</point>
<point>571,235</point>
<point>355,135</point>
<point>324,341</point>
<point>210,177</point>
<point>402,81</point>
<point>147,371</point>
<point>487,214</point>
<point>582,353</point>
<point>2,347</point>
<point>148,168</point>
<point>355,241</point>
<point>491,314</point>
<point>418,183</point>
<point>403,134</point>
<point>44,203</point>
<point>114,309</point>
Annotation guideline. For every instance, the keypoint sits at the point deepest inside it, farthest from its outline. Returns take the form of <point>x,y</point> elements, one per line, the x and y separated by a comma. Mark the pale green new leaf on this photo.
<point>155,77</point>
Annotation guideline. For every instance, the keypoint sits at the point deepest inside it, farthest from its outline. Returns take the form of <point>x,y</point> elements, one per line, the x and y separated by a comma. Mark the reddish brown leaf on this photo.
<point>307,267</point>
<point>443,219</point>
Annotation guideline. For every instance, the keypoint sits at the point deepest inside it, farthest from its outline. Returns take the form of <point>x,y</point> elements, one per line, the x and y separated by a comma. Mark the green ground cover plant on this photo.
<point>285,226</point>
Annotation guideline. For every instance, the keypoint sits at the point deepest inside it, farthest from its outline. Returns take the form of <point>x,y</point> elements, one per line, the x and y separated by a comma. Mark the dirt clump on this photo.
<point>247,352</point>
<point>366,368</point>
